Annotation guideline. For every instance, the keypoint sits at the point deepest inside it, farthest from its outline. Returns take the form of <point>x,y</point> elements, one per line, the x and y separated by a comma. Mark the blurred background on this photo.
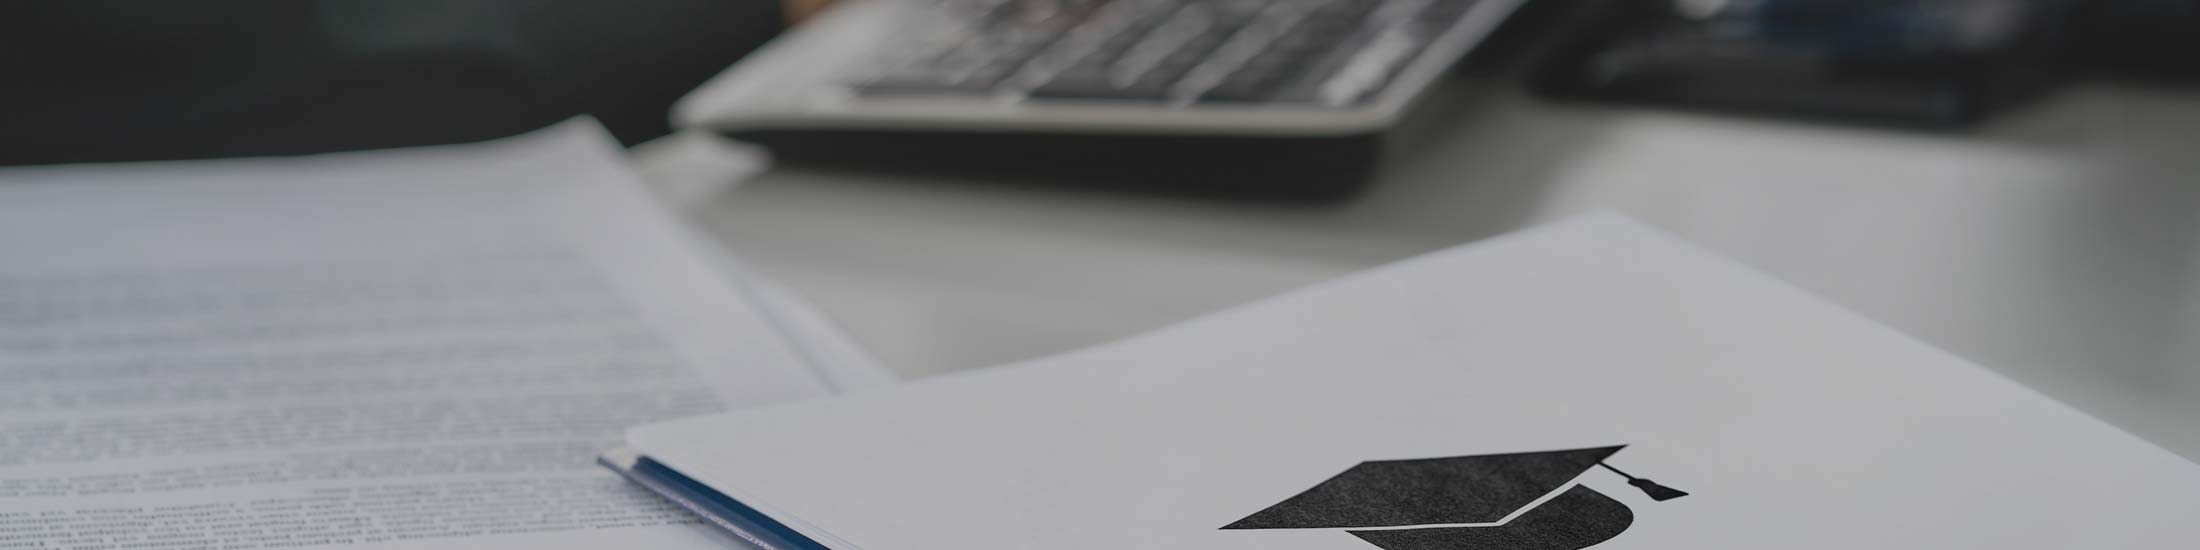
<point>970,182</point>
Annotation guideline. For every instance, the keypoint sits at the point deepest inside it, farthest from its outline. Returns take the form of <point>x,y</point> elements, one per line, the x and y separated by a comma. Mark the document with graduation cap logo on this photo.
<point>1594,384</point>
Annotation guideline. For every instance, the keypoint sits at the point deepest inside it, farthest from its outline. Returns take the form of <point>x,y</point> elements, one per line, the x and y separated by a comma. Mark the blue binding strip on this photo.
<point>725,512</point>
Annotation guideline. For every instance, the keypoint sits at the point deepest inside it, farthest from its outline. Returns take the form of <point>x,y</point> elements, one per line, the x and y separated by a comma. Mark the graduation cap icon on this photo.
<point>1500,501</point>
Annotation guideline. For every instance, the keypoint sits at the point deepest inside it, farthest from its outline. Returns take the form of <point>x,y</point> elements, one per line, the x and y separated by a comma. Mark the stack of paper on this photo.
<point>1590,384</point>
<point>417,349</point>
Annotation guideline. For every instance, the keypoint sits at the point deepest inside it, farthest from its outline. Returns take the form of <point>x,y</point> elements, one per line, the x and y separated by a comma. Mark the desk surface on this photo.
<point>2060,246</point>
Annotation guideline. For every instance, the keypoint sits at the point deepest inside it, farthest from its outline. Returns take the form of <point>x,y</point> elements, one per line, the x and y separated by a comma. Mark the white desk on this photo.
<point>2061,246</point>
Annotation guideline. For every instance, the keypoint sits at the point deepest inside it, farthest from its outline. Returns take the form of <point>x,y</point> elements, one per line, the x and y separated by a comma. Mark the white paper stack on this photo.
<point>1520,393</point>
<point>418,348</point>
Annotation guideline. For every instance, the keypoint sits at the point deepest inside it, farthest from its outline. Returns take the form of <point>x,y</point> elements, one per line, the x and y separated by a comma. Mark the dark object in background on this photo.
<point>1927,63</point>
<point>2152,40</point>
<point>99,80</point>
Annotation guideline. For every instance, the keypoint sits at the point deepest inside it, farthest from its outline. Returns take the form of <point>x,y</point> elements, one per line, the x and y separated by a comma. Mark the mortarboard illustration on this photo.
<point>1479,502</point>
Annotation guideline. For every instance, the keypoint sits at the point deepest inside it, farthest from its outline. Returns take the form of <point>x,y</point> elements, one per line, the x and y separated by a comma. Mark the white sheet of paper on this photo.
<point>418,348</point>
<point>1794,424</point>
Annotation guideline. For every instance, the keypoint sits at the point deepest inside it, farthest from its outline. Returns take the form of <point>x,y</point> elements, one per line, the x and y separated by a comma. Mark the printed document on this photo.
<point>420,348</point>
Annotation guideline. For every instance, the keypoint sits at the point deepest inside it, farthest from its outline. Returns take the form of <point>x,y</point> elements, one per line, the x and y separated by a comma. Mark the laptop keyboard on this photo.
<point>1177,52</point>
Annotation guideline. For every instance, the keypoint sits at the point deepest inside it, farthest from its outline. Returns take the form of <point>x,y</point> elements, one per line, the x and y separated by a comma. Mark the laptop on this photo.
<point>1264,96</point>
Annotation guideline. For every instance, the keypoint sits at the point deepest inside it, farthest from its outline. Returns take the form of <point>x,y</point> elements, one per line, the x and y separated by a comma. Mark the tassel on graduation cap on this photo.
<point>1657,492</point>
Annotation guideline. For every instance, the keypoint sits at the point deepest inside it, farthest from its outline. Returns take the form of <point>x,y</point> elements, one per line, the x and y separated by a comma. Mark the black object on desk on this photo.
<point>1928,63</point>
<point>2150,40</point>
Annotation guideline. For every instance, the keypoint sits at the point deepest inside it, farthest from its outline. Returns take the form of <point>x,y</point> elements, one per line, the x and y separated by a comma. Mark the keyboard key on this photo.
<point>1115,46</point>
<point>1445,11</point>
<point>1240,91</point>
<point>954,73</point>
<point>924,83</point>
<point>1248,84</point>
<point>1205,43</point>
<point>1237,9</point>
<point>1371,65</point>
<point>1089,69</point>
<point>1145,88</point>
